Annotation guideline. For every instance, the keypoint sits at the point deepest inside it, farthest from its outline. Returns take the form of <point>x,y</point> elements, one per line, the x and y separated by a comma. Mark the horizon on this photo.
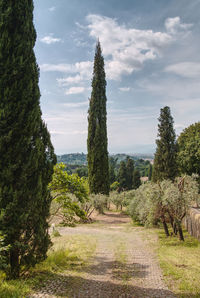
<point>118,153</point>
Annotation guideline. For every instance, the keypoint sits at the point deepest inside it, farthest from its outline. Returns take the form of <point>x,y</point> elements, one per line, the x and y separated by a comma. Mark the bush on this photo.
<point>99,202</point>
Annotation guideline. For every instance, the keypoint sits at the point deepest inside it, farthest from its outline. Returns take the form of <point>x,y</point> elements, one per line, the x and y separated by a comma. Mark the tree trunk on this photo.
<point>171,221</point>
<point>165,226</point>
<point>180,231</point>
<point>175,228</point>
<point>14,263</point>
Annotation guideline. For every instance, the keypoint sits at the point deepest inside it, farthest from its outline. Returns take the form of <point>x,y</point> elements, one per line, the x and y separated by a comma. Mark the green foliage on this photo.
<point>128,178</point>
<point>112,169</point>
<point>179,196</point>
<point>142,166</point>
<point>129,173</point>
<point>99,202</point>
<point>98,169</point>
<point>70,192</point>
<point>114,186</point>
<point>117,199</point>
<point>77,163</point>
<point>82,171</point>
<point>73,159</point>
<point>120,200</point>
<point>189,150</point>
<point>122,176</point>
<point>165,164</point>
<point>27,156</point>
<point>150,170</point>
<point>3,252</point>
<point>136,179</point>
<point>153,202</point>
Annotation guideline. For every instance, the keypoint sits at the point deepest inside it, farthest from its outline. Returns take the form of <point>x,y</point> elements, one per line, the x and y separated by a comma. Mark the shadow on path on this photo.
<point>78,287</point>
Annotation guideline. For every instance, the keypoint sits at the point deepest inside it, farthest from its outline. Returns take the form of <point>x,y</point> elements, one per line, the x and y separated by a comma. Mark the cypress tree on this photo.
<point>112,167</point>
<point>122,176</point>
<point>165,160</point>
<point>136,179</point>
<point>129,173</point>
<point>98,168</point>
<point>26,153</point>
<point>150,170</point>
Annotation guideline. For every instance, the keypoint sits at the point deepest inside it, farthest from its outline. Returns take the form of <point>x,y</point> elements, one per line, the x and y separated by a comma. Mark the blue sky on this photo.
<point>152,59</point>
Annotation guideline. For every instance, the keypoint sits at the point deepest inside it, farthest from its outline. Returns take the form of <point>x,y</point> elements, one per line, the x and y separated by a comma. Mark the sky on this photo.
<point>152,59</point>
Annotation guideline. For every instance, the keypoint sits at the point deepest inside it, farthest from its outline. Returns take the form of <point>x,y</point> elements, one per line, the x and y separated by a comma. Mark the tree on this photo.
<point>98,169</point>
<point>189,150</point>
<point>150,172</point>
<point>129,173</point>
<point>136,179</point>
<point>112,166</point>
<point>178,198</point>
<point>165,165</point>
<point>82,171</point>
<point>122,177</point>
<point>26,153</point>
<point>69,193</point>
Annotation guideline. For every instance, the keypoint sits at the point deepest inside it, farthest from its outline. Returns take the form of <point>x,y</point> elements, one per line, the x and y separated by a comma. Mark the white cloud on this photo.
<point>57,67</point>
<point>185,69</point>
<point>174,25</point>
<point>70,80</point>
<point>75,90</point>
<point>82,72</point>
<point>126,49</point>
<point>76,104</point>
<point>49,39</point>
<point>73,132</point>
<point>52,8</point>
<point>125,89</point>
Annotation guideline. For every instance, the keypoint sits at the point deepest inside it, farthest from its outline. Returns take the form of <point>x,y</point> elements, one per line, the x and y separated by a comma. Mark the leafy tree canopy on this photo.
<point>189,150</point>
<point>70,192</point>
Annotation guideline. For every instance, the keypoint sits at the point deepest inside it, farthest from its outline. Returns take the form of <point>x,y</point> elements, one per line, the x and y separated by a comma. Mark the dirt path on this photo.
<point>123,266</point>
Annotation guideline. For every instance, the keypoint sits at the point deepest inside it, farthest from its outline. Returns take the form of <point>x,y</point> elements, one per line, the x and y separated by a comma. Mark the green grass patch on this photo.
<point>68,253</point>
<point>180,262</point>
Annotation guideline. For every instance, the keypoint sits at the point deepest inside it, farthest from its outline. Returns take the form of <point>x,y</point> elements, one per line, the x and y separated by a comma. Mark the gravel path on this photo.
<point>124,265</point>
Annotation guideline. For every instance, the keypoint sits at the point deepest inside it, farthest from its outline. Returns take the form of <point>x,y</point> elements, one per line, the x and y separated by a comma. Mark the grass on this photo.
<point>180,262</point>
<point>68,253</point>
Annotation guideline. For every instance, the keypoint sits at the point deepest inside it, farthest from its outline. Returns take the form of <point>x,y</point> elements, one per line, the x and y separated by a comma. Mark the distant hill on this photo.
<point>81,158</point>
<point>73,159</point>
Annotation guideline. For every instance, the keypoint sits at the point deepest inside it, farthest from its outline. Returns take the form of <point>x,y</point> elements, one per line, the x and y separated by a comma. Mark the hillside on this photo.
<point>77,162</point>
<point>81,158</point>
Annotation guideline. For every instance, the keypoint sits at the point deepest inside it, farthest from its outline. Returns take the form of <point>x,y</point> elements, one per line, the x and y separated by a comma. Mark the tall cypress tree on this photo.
<point>150,170</point>
<point>26,153</point>
<point>136,179</point>
<point>112,167</point>
<point>98,169</point>
<point>122,176</point>
<point>129,173</point>
<point>165,160</point>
